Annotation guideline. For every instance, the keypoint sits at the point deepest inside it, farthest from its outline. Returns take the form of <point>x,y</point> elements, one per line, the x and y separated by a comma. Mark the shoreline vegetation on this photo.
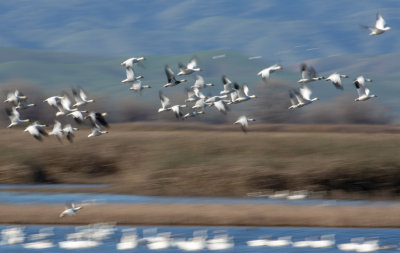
<point>193,159</point>
<point>207,215</point>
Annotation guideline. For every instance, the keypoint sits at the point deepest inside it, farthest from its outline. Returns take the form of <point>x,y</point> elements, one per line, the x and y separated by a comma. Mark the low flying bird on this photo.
<point>68,131</point>
<point>303,96</point>
<point>335,79</point>
<point>171,78</point>
<point>36,130</point>
<point>221,106</point>
<point>227,86</point>
<point>379,27</point>
<point>53,101</point>
<point>80,98</point>
<point>130,73</point>
<point>190,68</point>
<point>308,74</point>
<point>70,209</point>
<point>200,83</point>
<point>244,122</point>
<point>361,80</point>
<point>77,116</point>
<point>177,110</point>
<point>97,118</point>
<point>14,117</point>
<point>265,73</point>
<point>137,86</point>
<point>15,97</point>
<point>22,105</point>
<point>363,92</point>
<point>57,130</point>
<point>64,106</point>
<point>242,94</point>
<point>165,102</point>
<point>96,131</point>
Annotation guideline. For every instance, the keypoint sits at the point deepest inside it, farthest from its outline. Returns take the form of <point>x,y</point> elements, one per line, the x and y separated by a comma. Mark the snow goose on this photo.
<point>308,74</point>
<point>190,68</point>
<point>130,73</point>
<point>15,97</point>
<point>165,103</point>
<point>36,130</point>
<point>171,78</point>
<point>303,96</point>
<point>177,110</point>
<point>200,104</point>
<point>293,100</point>
<point>335,79</point>
<point>64,106</point>
<point>379,27</point>
<point>97,118</point>
<point>68,131</point>
<point>57,130</point>
<point>200,83</point>
<point>96,131</point>
<point>191,96</point>
<point>265,73</point>
<point>70,209</point>
<point>215,98</point>
<point>221,106</point>
<point>227,86</point>
<point>244,122</point>
<point>361,80</point>
<point>13,115</point>
<point>242,94</point>
<point>77,116</point>
<point>53,101</point>
<point>192,114</point>
<point>128,239</point>
<point>363,92</point>
<point>137,86</point>
<point>80,98</point>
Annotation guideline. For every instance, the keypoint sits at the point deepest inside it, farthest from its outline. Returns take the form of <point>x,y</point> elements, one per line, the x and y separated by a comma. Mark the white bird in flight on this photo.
<point>379,27</point>
<point>265,73</point>
<point>70,210</point>
<point>130,73</point>
<point>308,74</point>
<point>171,78</point>
<point>244,122</point>
<point>36,130</point>
<point>363,92</point>
<point>335,78</point>
<point>190,68</point>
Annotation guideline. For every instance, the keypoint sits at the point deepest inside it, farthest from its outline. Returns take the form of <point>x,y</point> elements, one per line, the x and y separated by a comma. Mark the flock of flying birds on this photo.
<point>232,93</point>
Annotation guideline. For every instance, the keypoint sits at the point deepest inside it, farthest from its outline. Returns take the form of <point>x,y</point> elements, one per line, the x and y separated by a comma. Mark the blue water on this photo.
<point>241,236</point>
<point>11,197</point>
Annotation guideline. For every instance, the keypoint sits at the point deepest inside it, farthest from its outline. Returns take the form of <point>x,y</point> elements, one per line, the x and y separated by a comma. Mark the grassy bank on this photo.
<point>199,160</point>
<point>207,215</point>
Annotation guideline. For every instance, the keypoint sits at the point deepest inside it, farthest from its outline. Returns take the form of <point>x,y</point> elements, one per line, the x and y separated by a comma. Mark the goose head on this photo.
<point>314,99</point>
<point>387,28</point>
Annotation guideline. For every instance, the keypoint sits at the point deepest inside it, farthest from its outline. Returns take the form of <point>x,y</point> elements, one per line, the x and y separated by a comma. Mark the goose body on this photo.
<point>308,74</point>
<point>97,118</point>
<point>200,83</point>
<point>130,73</point>
<point>70,210</point>
<point>244,122</point>
<point>188,69</point>
<point>15,97</point>
<point>36,130</point>
<point>380,26</point>
<point>335,78</point>
<point>265,73</point>
<point>80,98</point>
<point>64,106</point>
<point>22,105</point>
<point>96,131</point>
<point>363,92</point>
<point>242,94</point>
<point>53,101</point>
<point>68,131</point>
<point>303,97</point>
<point>165,103</point>
<point>137,86</point>
<point>176,109</point>
<point>171,78</point>
<point>227,86</point>
<point>221,106</point>
<point>57,130</point>
<point>77,116</point>
<point>200,104</point>
<point>14,117</point>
